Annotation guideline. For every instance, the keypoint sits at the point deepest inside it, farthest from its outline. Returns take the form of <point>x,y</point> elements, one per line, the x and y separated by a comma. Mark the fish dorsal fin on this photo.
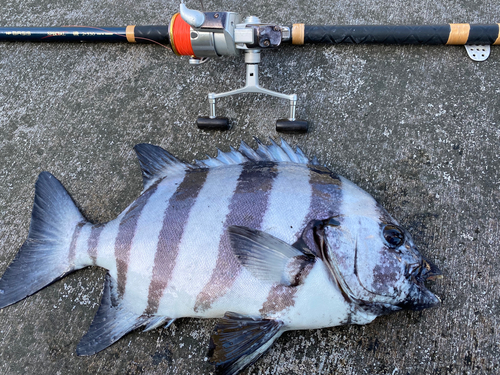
<point>223,158</point>
<point>266,257</point>
<point>238,341</point>
<point>245,154</point>
<point>277,153</point>
<point>157,163</point>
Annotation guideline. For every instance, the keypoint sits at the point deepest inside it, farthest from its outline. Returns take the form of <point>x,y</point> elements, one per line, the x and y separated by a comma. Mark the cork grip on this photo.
<point>459,33</point>
<point>298,33</point>
<point>129,33</point>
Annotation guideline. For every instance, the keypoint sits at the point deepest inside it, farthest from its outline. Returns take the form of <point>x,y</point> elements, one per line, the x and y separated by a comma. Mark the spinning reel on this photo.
<point>213,34</point>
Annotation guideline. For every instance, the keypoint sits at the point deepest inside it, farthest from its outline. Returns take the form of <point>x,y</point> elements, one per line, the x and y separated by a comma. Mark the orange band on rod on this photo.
<point>298,33</point>
<point>497,42</point>
<point>459,33</point>
<point>180,37</point>
<point>129,33</point>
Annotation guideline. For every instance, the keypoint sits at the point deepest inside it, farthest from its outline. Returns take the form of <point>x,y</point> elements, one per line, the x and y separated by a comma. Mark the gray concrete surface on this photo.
<point>417,127</point>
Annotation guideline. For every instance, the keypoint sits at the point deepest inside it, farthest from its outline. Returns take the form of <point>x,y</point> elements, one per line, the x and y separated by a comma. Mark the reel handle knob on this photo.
<point>292,126</point>
<point>216,123</point>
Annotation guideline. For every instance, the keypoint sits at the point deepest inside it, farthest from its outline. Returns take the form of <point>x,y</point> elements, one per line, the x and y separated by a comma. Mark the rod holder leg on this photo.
<point>212,122</point>
<point>211,100</point>
<point>252,60</point>
<point>293,106</point>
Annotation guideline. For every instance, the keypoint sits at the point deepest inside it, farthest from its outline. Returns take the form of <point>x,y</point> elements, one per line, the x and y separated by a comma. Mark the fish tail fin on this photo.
<point>48,253</point>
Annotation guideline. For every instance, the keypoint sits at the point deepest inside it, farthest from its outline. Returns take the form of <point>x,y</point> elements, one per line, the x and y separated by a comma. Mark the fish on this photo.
<point>265,240</point>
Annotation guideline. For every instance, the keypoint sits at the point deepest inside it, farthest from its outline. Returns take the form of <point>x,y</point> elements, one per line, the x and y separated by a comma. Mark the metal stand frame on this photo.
<point>252,60</point>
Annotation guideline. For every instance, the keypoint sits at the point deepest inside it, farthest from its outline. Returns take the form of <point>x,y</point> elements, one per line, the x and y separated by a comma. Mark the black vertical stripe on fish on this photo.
<point>326,194</point>
<point>279,298</point>
<point>174,222</point>
<point>74,239</point>
<point>248,207</point>
<point>125,236</point>
<point>326,200</point>
<point>282,296</point>
<point>93,241</point>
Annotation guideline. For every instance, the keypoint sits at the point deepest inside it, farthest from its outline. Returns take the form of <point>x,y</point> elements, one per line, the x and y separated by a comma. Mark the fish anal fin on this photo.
<point>267,257</point>
<point>111,322</point>
<point>156,321</point>
<point>238,341</point>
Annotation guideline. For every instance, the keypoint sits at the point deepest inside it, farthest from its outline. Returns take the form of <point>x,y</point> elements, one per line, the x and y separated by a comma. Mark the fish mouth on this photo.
<point>431,271</point>
<point>419,297</point>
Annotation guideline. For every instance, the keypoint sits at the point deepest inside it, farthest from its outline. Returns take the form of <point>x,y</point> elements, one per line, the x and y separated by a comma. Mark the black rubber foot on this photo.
<point>292,127</point>
<point>218,123</point>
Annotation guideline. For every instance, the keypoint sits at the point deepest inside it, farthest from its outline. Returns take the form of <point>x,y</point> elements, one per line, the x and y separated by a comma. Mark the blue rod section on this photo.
<point>63,34</point>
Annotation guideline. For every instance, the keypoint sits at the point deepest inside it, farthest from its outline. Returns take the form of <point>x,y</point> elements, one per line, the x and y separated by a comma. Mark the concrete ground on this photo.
<point>418,127</point>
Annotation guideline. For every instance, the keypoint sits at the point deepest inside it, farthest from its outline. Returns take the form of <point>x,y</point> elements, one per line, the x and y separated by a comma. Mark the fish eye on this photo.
<point>393,235</point>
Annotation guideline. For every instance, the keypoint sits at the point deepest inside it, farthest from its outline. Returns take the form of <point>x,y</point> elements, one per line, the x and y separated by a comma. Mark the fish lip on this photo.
<point>431,272</point>
<point>434,277</point>
<point>423,272</point>
<point>420,298</point>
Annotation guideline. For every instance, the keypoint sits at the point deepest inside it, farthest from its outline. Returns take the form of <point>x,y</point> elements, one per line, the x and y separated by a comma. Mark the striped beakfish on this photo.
<point>267,240</point>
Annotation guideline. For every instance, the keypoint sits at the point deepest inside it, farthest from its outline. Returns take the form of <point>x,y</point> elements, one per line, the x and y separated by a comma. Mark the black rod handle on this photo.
<point>455,34</point>
<point>131,34</point>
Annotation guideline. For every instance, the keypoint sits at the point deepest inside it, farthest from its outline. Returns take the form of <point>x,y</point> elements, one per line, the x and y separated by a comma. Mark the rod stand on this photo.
<point>252,60</point>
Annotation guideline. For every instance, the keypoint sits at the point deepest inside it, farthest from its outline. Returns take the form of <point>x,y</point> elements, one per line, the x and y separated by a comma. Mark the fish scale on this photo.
<point>266,240</point>
<point>149,227</point>
<point>193,268</point>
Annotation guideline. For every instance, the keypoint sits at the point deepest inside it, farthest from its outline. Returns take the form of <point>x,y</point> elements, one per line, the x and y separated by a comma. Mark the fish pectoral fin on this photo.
<point>157,163</point>
<point>238,341</point>
<point>267,257</point>
<point>111,322</point>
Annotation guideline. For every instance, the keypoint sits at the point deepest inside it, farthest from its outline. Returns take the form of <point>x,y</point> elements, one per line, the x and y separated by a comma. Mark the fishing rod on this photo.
<point>203,35</point>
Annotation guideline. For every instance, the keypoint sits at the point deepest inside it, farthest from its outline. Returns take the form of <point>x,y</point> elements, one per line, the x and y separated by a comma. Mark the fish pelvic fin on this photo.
<point>48,254</point>
<point>238,341</point>
<point>113,321</point>
<point>156,163</point>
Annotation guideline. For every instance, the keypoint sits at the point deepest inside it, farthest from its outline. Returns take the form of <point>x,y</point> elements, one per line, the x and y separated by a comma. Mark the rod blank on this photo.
<point>456,34</point>
<point>131,34</point>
